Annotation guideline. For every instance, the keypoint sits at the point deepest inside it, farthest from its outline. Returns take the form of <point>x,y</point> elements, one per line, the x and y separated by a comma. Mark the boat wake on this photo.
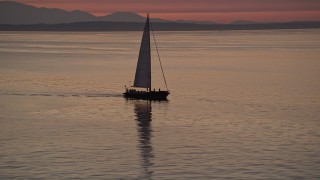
<point>89,95</point>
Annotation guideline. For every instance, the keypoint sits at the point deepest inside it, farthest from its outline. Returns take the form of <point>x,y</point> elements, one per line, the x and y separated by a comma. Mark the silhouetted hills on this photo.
<point>12,12</point>
<point>16,13</point>
<point>122,17</point>
<point>243,22</point>
<point>15,16</point>
<point>127,17</point>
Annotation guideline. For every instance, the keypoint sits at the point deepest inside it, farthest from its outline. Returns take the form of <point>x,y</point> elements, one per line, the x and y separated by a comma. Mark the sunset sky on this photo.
<point>207,10</point>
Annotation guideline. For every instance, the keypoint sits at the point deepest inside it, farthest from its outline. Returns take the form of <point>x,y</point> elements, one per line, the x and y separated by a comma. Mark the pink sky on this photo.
<point>206,10</point>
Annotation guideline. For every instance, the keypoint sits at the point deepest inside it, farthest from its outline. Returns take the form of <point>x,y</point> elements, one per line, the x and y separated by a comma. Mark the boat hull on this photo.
<point>152,95</point>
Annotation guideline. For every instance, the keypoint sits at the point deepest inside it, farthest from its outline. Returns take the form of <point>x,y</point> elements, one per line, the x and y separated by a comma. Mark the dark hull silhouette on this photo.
<point>151,95</point>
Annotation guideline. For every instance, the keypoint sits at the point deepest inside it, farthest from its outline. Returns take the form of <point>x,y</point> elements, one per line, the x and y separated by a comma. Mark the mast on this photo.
<point>143,70</point>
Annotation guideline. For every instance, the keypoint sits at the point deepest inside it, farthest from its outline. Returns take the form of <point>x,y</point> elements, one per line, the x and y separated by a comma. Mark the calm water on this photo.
<point>243,105</point>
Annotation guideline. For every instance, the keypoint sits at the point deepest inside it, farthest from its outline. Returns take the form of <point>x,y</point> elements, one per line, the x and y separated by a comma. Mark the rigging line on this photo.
<point>155,42</point>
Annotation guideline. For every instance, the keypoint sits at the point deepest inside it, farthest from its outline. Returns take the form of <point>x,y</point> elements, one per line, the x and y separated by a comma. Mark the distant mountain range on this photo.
<point>12,12</point>
<point>16,16</point>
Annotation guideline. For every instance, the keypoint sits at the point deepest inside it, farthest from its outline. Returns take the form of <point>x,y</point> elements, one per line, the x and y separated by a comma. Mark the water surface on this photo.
<point>243,105</point>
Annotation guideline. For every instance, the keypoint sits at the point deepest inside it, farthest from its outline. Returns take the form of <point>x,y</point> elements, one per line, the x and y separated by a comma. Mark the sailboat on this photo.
<point>143,71</point>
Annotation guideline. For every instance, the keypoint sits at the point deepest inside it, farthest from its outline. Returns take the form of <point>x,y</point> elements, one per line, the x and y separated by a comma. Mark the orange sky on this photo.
<point>207,10</point>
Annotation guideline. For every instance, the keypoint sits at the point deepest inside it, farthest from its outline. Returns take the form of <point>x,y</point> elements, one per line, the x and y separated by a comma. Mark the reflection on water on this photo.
<point>143,115</point>
<point>244,105</point>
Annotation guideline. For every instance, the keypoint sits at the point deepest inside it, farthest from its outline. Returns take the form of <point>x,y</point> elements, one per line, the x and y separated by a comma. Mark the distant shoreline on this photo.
<point>170,26</point>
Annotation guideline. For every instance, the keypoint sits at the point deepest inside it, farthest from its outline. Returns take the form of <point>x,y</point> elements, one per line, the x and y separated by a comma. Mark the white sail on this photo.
<point>143,71</point>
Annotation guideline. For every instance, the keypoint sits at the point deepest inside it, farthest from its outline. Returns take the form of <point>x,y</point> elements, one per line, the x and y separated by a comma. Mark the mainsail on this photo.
<point>143,71</point>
